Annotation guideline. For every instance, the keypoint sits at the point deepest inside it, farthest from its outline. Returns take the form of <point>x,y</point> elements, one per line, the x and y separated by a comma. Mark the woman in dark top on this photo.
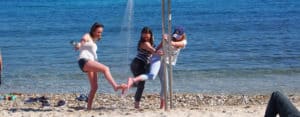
<point>141,63</point>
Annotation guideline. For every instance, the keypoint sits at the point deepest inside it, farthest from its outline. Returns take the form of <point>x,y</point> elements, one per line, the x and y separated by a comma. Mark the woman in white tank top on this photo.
<point>88,63</point>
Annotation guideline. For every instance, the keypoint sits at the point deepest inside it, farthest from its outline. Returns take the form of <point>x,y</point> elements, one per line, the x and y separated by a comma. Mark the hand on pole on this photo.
<point>165,37</point>
<point>160,52</point>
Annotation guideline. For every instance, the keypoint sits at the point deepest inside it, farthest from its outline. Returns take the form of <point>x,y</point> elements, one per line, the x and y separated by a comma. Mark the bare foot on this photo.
<point>129,84</point>
<point>122,87</point>
<point>162,103</point>
<point>137,105</point>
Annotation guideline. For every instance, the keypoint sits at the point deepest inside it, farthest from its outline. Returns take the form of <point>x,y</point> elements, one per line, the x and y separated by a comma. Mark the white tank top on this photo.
<point>174,54</point>
<point>88,50</point>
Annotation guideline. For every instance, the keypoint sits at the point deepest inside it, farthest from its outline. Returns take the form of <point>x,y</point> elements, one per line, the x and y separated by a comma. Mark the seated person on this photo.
<point>280,104</point>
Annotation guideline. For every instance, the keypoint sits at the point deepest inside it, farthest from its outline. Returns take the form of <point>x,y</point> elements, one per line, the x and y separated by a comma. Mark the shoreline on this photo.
<point>185,104</point>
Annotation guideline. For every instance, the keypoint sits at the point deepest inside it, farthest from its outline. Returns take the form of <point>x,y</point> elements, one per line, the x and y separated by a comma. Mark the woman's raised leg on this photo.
<point>95,66</point>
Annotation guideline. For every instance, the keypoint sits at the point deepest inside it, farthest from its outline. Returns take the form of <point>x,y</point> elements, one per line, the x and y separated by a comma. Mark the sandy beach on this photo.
<point>232,56</point>
<point>108,105</point>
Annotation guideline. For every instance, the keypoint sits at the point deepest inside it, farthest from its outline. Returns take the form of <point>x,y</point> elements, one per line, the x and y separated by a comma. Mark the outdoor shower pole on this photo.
<point>164,56</point>
<point>170,72</point>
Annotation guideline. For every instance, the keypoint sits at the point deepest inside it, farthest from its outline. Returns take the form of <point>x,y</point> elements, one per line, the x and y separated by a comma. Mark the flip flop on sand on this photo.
<point>45,103</point>
<point>42,99</point>
<point>60,103</point>
<point>82,97</point>
<point>36,99</point>
<point>31,100</point>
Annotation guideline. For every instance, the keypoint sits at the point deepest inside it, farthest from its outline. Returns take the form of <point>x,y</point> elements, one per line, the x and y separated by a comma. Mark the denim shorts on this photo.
<point>81,63</point>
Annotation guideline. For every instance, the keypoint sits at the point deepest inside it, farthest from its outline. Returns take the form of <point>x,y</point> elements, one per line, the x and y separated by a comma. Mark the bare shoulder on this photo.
<point>146,45</point>
<point>85,37</point>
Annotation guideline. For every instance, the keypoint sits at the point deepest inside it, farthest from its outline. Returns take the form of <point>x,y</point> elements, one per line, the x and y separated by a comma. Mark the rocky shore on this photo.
<point>114,105</point>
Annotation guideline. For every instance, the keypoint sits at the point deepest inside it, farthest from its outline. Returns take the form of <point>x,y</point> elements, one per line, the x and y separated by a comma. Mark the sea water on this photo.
<point>237,46</point>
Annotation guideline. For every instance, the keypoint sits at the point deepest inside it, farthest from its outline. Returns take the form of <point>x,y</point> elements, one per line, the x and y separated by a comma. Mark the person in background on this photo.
<point>280,104</point>
<point>88,61</point>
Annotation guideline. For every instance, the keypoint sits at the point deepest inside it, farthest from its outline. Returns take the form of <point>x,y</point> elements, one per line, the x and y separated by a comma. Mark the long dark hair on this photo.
<point>146,30</point>
<point>94,27</point>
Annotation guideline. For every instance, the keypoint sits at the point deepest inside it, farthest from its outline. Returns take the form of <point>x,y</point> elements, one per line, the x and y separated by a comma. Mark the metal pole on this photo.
<point>164,56</point>
<point>170,72</point>
<point>1,67</point>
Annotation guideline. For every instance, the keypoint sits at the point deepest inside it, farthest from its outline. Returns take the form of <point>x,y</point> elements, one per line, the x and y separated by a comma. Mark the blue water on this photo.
<point>234,46</point>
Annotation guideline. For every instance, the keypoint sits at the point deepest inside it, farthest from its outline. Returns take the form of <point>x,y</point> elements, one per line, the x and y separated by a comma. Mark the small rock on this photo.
<point>247,106</point>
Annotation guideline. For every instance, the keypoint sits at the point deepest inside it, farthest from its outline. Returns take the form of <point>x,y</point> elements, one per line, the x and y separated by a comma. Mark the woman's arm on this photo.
<point>82,41</point>
<point>147,46</point>
<point>179,44</point>
<point>159,46</point>
<point>164,37</point>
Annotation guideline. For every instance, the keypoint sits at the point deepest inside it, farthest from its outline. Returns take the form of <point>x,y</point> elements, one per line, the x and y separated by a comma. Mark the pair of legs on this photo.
<point>156,68</point>
<point>280,104</point>
<point>92,68</point>
<point>139,67</point>
<point>151,75</point>
<point>162,83</point>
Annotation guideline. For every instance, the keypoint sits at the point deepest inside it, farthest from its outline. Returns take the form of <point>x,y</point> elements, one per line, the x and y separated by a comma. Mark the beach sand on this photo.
<point>111,105</point>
